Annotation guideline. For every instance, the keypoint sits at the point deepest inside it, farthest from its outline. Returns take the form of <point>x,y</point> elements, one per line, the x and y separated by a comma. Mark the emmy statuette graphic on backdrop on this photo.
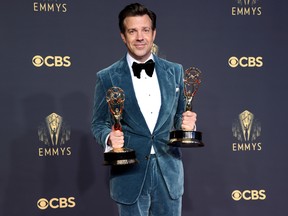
<point>182,138</point>
<point>115,98</point>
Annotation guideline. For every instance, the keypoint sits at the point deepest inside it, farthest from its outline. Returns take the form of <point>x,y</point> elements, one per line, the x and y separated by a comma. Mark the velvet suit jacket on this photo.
<point>126,182</point>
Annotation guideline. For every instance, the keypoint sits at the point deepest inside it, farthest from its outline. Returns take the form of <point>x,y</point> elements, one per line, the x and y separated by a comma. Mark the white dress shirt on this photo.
<point>147,93</point>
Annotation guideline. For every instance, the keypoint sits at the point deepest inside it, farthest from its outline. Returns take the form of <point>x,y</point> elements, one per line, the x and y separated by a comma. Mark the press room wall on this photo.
<point>50,51</point>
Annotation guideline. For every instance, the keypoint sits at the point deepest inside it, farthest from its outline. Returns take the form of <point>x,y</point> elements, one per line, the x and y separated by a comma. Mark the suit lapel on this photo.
<point>167,88</point>
<point>121,77</point>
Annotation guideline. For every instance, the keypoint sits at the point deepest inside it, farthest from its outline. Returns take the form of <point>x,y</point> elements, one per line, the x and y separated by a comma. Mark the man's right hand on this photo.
<point>116,138</point>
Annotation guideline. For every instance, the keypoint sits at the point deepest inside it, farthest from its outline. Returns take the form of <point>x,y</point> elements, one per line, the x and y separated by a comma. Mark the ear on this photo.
<point>154,34</point>
<point>123,37</point>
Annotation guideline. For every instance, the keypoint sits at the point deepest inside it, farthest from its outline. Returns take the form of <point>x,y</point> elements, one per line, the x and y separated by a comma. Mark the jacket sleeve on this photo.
<point>181,100</point>
<point>101,118</point>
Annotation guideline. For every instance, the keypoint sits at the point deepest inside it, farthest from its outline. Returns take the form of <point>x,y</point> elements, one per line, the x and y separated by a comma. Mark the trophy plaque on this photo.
<point>182,138</point>
<point>115,98</point>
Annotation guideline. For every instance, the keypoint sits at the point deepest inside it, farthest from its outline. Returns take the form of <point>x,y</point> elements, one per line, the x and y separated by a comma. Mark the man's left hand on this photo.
<point>189,121</point>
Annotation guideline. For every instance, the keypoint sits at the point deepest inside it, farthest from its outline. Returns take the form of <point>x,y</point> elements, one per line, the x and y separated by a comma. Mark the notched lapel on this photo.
<point>121,77</point>
<point>167,87</point>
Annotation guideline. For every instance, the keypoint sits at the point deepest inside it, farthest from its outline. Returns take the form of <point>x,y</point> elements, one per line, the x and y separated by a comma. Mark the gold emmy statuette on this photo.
<point>182,138</point>
<point>115,98</point>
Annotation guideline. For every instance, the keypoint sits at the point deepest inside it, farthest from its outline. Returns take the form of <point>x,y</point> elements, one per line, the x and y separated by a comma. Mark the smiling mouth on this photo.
<point>140,47</point>
<point>140,44</point>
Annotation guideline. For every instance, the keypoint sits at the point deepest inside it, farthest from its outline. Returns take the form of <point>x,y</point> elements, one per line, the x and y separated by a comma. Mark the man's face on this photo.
<point>139,36</point>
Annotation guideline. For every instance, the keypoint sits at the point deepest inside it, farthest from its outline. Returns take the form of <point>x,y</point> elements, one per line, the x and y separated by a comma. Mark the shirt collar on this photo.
<point>130,59</point>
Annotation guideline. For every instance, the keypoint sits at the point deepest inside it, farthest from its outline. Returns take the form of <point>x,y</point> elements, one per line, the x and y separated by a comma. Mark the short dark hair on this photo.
<point>135,9</point>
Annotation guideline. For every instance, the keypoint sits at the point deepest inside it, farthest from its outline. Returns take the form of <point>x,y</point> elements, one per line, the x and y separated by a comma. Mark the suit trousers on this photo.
<point>154,199</point>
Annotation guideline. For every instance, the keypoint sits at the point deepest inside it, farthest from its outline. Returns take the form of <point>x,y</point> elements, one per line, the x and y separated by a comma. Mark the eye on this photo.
<point>131,31</point>
<point>147,30</point>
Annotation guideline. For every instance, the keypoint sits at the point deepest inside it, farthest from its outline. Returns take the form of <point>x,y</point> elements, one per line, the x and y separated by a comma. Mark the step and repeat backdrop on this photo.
<point>50,51</point>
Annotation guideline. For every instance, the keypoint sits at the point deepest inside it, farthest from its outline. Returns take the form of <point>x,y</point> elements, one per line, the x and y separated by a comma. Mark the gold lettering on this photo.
<point>58,61</point>
<point>254,146</point>
<point>67,62</point>
<point>69,151</point>
<point>62,150</point>
<point>246,147</point>
<point>58,6</point>
<point>234,147</point>
<point>256,10</point>
<point>239,11</point>
<point>42,7</point>
<point>55,151</point>
<point>64,8</point>
<point>47,63</point>
<point>63,202</point>
<point>47,151</point>
<point>240,147</point>
<point>40,152</point>
<point>50,7</point>
<point>51,203</point>
<point>71,201</point>
<point>262,195</point>
<point>246,11</point>
<point>234,11</point>
<point>243,11</point>
<point>259,11</point>
<point>253,10</point>
<point>35,6</point>
<point>245,196</point>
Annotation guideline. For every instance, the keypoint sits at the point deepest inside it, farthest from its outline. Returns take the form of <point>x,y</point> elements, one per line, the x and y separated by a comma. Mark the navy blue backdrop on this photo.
<point>50,51</point>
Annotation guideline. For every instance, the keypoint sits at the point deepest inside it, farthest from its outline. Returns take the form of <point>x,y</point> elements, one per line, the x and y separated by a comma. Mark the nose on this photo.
<point>139,36</point>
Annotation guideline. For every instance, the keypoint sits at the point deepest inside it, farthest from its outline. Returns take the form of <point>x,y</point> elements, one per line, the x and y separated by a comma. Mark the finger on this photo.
<point>189,113</point>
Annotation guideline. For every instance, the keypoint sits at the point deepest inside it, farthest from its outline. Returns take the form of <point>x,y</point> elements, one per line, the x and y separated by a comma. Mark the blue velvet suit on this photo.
<point>126,182</point>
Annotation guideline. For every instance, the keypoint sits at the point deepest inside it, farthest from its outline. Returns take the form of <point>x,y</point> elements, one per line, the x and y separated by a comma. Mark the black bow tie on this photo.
<point>147,66</point>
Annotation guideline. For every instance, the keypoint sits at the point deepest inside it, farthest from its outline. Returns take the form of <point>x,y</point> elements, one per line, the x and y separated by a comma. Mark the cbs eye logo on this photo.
<point>51,61</point>
<point>56,203</point>
<point>248,195</point>
<point>245,61</point>
<point>42,203</point>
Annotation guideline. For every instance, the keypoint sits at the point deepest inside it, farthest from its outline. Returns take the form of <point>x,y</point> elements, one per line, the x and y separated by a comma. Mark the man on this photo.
<point>153,107</point>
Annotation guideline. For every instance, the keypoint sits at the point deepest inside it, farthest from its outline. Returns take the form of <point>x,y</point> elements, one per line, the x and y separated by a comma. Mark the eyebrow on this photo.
<point>146,27</point>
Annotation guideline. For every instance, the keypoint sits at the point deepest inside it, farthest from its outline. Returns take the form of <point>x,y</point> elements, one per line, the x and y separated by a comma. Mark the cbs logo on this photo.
<point>51,61</point>
<point>245,61</point>
<point>56,203</point>
<point>248,195</point>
